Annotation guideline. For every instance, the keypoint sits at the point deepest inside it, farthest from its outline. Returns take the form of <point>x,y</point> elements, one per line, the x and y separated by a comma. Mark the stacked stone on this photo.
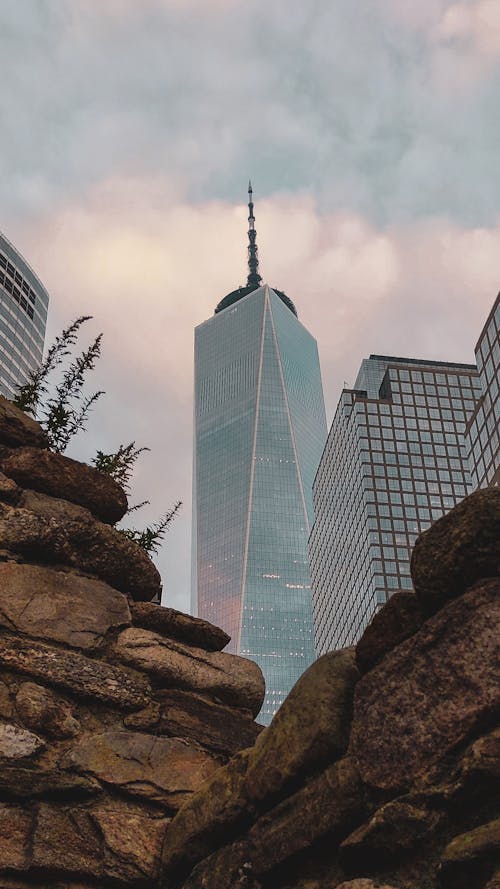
<point>382,767</point>
<point>113,710</point>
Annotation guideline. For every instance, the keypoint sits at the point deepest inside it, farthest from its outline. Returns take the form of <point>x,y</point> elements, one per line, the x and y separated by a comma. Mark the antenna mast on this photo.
<point>253,259</point>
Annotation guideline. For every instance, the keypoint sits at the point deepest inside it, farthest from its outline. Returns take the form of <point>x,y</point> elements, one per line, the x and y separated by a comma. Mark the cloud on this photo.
<point>150,264</point>
<point>466,44</point>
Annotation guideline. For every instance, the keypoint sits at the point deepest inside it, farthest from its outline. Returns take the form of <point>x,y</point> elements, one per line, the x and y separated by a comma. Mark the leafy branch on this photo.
<point>149,539</point>
<point>120,465</point>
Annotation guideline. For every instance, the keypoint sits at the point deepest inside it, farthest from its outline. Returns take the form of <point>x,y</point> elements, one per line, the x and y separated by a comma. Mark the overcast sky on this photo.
<point>129,129</point>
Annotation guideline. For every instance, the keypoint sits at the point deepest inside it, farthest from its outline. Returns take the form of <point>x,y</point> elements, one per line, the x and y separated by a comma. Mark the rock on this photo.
<point>15,835</point>
<point>361,883</point>
<point>67,841</point>
<point>43,711</point>
<point>17,429</point>
<point>311,727</point>
<point>7,711</point>
<point>459,549</point>
<point>399,618</point>
<point>44,529</point>
<point>482,760</point>
<point>397,827</point>
<point>430,693</point>
<point>471,858</point>
<point>331,803</point>
<point>162,770</point>
<point>132,838</point>
<point>18,743</point>
<point>28,783</point>
<point>62,477</point>
<point>59,605</point>
<point>112,839</point>
<point>187,715</point>
<point>494,883</point>
<point>227,677</point>
<point>210,818</point>
<point>70,670</point>
<point>176,625</point>
<point>228,868</point>
<point>9,492</point>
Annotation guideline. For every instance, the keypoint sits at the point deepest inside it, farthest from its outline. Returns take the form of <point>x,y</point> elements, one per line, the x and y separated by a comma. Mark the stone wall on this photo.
<point>382,767</point>
<point>113,710</point>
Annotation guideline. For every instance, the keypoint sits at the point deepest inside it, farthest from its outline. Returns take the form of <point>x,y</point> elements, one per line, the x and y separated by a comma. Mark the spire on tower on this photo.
<point>253,259</point>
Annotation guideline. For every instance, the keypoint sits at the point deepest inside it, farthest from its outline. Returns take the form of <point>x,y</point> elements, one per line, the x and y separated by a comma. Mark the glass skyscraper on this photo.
<point>24,303</point>
<point>483,429</point>
<point>259,432</point>
<point>395,460</point>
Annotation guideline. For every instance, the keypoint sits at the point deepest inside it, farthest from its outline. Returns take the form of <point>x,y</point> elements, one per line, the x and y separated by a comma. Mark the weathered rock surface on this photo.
<point>429,705</point>
<point>60,476</point>
<point>187,715</point>
<point>210,818</point>
<point>227,677</point>
<point>15,833</point>
<point>59,605</point>
<point>311,727</point>
<point>163,770</point>
<point>70,670</point>
<point>176,625</point>
<point>18,743</point>
<point>460,548</point>
<point>471,858</point>
<point>30,783</point>
<point>399,618</point>
<point>18,429</point>
<point>361,883</point>
<point>43,711</point>
<point>395,828</point>
<point>9,491</point>
<point>45,529</point>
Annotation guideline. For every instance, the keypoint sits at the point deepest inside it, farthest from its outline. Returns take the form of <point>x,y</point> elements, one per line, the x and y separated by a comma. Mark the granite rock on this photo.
<point>210,818</point>
<point>182,714</point>
<point>176,625</point>
<point>45,529</point>
<point>41,710</point>
<point>311,727</point>
<point>60,476</point>
<point>18,429</point>
<point>59,605</point>
<point>22,783</point>
<point>230,679</point>
<point>459,549</point>
<point>397,827</point>
<point>16,824</point>
<point>471,858</point>
<point>18,743</point>
<point>162,770</point>
<point>436,692</point>
<point>72,671</point>
<point>399,618</point>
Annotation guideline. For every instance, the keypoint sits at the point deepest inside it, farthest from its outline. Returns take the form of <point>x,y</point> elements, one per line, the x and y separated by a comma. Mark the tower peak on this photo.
<point>253,260</point>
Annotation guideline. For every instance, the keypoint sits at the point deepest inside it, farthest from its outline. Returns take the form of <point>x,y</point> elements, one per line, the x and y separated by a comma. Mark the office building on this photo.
<point>395,460</point>
<point>483,429</point>
<point>23,315</point>
<point>259,432</point>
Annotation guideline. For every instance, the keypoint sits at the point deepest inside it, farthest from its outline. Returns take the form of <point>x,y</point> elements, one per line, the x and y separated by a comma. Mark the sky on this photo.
<point>129,130</point>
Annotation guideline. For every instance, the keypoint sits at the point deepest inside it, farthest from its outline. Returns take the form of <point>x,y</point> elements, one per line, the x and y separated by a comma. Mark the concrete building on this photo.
<point>395,460</point>
<point>24,303</point>
<point>259,432</point>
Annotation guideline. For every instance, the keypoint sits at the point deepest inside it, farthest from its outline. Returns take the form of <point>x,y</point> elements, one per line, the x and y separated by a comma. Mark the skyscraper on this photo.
<point>259,432</point>
<point>23,315</point>
<point>395,460</point>
<point>483,429</point>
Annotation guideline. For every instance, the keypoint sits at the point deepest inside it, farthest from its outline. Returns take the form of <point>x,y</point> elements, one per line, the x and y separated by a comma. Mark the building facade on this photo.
<point>395,460</point>
<point>24,303</point>
<point>259,430</point>
<point>483,429</point>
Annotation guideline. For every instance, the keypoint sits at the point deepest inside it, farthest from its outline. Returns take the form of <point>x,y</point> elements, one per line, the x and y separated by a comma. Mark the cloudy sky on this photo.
<point>129,128</point>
